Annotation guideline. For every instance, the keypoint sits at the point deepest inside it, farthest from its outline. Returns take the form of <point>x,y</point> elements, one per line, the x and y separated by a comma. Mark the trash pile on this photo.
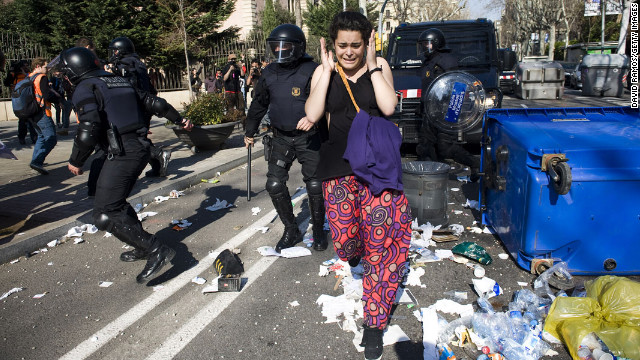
<point>599,320</point>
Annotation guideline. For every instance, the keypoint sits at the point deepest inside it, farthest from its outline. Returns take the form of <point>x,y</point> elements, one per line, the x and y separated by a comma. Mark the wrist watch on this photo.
<point>374,70</point>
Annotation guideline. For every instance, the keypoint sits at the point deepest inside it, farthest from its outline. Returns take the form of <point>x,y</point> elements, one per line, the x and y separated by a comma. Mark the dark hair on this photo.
<point>255,60</point>
<point>39,61</point>
<point>350,21</point>
<point>85,42</point>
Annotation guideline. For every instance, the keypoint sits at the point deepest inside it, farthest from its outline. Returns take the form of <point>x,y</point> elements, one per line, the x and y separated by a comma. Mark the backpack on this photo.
<point>23,99</point>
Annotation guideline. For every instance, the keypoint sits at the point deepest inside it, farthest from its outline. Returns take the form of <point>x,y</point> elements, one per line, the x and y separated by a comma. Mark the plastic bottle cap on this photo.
<point>478,271</point>
<point>486,350</point>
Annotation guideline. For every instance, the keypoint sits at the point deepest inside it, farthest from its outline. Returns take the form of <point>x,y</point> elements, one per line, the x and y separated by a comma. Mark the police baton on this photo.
<point>249,172</point>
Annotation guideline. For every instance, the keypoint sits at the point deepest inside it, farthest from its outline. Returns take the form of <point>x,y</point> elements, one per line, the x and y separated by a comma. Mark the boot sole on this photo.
<point>166,259</point>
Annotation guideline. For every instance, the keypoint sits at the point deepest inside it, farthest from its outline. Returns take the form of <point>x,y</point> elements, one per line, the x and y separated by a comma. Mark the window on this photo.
<point>388,25</point>
<point>387,13</point>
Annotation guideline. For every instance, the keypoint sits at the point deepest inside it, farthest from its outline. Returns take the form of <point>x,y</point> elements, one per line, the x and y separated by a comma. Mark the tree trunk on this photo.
<point>297,9</point>
<point>183,25</point>
<point>552,42</point>
<point>566,34</point>
<point>622,40</point>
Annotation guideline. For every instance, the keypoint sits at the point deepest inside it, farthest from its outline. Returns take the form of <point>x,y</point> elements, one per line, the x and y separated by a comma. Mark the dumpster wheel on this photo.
<point>563,185</point>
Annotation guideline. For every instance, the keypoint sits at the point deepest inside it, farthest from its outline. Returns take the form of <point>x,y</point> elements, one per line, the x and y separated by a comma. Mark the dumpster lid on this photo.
<point>590,137</point>
<point>425,167</point>
<point>455,102</point>
<point>606,60</point>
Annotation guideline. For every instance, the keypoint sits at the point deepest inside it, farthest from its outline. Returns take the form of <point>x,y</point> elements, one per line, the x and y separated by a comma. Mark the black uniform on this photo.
<point>135,71</point>
<point>283,90</point>
<point>436,145</point>
<point>108,103</point>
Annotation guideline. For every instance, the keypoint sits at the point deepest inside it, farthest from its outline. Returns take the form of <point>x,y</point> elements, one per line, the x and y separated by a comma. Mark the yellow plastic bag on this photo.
<point>611,309</point>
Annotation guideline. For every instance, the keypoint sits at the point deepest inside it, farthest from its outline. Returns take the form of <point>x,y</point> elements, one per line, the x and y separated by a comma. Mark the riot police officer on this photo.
<point>283,90</point>
<point>111,113</point>
<point>126,63</point>
<point>433,144</point>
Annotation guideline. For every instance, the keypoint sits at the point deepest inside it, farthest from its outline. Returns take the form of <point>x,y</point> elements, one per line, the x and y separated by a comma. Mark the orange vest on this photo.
<point>39,98</point>
<point>18,77</point>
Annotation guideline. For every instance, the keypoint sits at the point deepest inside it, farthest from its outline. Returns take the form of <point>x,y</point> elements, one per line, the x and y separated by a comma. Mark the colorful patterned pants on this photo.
<point>377,228</point>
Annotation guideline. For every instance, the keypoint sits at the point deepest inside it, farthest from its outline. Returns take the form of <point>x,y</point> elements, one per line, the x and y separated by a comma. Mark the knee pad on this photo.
<point>314,187</point>
<point>103,222</point>
<point>275,187</point>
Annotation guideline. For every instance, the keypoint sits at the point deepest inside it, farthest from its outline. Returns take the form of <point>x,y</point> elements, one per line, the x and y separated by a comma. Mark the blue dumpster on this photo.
<point>564,184</point>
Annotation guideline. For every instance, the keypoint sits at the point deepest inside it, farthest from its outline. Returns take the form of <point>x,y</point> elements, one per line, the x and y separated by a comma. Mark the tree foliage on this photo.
<point>273,15</point>
<point>319,17</point>
<point>57,24</point>
<point>428,10</point>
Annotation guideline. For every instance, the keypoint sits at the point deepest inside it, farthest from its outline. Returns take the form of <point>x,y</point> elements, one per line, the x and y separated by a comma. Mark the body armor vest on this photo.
<point>288,92</point>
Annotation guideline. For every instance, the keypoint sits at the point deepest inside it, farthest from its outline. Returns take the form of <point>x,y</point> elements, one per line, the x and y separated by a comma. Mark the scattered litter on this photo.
<point>404,296</point>
<point>294,303</point>
<point>198,280</point>
<point>413,279</point>
<point>457,229</point>
<point>212,287</point>
<point>291,252</point>
<point>460,259</point>
<point>210,181</point>
<point>456,295</point>
<point>455,189</point>
<point>478,271</point>
<point>38,296</point>
<point>263,229</point>
<point>158,199</point>
<point>145,214</point>
<point>503,256</point>
<point>53,243</point>
<point>464,179</point>
<point>78,240</point>
<point>220,204</point>
<point>181,223</point>
<point>444,253</point>
<point>105,284</point>
<point>12,291</point>
<point>255,211</point>
<point>94,338</point>
<point>174,194</point>
<point>451,307</point>
<point>139,207</point>
<point>158,287</point>
<point>108,234</point>
<point>457,212</point>
<point>486,287</point>
<point>471,204</point>
<point>522,283</point>
<point>393,334</point>
<point>50,264</point>
<point>14,261</point>
<point>473,251</point>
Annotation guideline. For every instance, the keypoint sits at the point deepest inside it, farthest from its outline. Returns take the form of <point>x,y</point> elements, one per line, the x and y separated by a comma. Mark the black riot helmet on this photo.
<point>123,45</point>
<point>286,43</point>
<point>75,63</point>
<point>432,36</point>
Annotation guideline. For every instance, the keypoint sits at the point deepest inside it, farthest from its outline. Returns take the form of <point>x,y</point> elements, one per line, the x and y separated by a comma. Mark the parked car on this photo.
<point>569,68</point>
<point>575,81</point>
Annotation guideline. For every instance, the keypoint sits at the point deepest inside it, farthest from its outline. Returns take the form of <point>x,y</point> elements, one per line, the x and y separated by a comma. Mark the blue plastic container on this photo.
<point>586,209</point>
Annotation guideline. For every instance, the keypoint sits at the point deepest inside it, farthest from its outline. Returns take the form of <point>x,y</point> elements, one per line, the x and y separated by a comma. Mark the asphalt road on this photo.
<point>170,317</point>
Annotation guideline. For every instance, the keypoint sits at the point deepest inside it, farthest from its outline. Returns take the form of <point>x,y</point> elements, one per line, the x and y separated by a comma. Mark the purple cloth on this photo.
<point>373,151</point>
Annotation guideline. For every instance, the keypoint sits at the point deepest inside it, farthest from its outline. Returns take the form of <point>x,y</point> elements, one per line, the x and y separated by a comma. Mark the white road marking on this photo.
<point>180,339</point>
<point>111,330</point>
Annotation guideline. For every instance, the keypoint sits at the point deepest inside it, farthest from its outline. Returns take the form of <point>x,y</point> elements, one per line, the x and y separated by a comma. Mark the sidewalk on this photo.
<point>36,209</point>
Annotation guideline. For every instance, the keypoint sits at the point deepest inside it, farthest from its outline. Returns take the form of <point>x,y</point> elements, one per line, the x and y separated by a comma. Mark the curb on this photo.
<point>61,227</point>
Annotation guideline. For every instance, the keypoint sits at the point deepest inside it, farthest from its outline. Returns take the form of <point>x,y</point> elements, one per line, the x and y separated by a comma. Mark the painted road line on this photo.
<point>111,330</point>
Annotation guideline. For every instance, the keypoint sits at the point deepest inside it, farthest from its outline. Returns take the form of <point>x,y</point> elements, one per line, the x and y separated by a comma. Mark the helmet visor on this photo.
<point>55,65</point>
<point>282,51</point>
<point>425,47</point>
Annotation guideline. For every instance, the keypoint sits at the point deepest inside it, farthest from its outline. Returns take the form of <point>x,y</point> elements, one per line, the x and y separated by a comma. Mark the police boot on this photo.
<point>316,207</point>
<point>159,162</point>
<point>292,235</point>
<point>133,235</point>
<point>159,256</point>
<point>372,342</point>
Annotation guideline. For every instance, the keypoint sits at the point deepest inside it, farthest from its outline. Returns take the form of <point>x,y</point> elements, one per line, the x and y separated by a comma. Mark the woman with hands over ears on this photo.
<point>369,220</point>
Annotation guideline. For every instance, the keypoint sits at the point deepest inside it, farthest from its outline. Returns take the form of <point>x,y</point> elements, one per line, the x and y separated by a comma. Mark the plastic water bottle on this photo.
<point>445,352</point>
<point>518,325</point>
<point>585,354</point>
<point>485,305</point>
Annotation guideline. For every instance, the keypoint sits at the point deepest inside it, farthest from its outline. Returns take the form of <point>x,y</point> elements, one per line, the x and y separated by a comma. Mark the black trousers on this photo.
<point>117,178</point>
<point>25,125</point>
<point>289,146</point>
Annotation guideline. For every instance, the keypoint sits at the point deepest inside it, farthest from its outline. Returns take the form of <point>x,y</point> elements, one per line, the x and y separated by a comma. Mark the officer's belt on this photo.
<point>292,133</point>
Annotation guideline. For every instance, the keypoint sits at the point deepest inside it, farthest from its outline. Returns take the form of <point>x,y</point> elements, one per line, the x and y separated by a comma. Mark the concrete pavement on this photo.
<point>36,209</point>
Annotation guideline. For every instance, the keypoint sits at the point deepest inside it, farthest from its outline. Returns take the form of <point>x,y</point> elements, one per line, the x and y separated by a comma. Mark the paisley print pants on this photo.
<point>377,228</point>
